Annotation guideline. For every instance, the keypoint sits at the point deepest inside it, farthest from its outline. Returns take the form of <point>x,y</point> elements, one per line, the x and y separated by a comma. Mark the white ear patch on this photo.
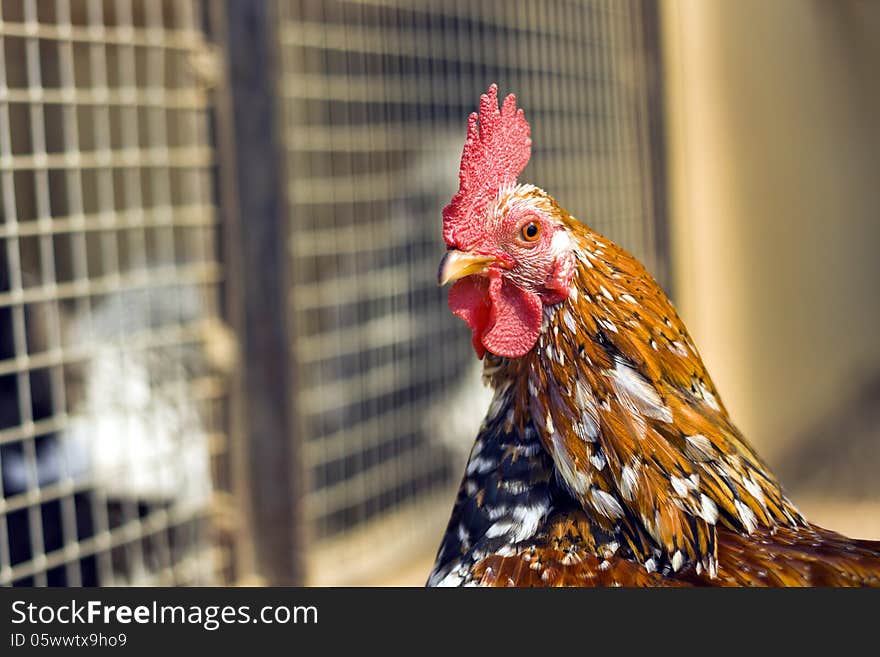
<point>560,243</point>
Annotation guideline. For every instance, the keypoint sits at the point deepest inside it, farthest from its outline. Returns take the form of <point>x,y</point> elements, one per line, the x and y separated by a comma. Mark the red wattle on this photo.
<point>469,300</point>
<point>515,322</point>
<point>504,319</point>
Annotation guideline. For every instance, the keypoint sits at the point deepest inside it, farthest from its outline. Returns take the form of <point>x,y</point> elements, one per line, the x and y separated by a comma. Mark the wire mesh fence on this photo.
<point>109,400</point>
<point>374,96</point>
<point>118,429</point>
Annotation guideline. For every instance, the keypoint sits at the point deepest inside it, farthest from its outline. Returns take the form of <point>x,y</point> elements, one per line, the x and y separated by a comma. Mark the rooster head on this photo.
<point>508,251</point>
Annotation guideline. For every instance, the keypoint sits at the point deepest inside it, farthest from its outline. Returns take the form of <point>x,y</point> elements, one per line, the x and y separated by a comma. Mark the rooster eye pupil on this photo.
<point>531,230</point>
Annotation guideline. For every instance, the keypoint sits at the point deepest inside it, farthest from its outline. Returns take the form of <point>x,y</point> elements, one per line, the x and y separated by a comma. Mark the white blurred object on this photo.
<point>455,419</point>
<point>137,423</point>
<point>140,444</point>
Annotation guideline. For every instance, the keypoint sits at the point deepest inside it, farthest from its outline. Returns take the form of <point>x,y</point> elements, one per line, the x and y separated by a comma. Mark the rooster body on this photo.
<point>607,456</point>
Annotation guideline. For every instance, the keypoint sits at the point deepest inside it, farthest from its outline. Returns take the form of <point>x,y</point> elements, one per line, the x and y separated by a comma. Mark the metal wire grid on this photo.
<point>110,411</point>
<point>375,95</point>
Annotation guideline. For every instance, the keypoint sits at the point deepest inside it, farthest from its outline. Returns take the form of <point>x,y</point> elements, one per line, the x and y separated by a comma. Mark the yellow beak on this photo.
<point>458,264</point>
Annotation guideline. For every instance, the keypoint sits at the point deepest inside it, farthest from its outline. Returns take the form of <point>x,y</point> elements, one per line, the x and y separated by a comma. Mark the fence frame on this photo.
<point>268,473</point>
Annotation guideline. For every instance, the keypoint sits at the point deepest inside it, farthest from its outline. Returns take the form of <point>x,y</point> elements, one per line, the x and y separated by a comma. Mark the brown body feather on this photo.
<point>807,556</point>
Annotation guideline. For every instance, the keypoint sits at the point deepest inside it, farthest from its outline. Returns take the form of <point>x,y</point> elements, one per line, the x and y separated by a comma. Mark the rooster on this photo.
<point>607,456</point>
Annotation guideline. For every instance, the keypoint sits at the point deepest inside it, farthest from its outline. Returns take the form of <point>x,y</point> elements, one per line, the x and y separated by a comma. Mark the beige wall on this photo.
<point>774,143</point>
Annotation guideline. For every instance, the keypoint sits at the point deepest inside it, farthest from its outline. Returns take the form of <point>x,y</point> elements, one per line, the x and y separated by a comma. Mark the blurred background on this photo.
<point>224,358</point>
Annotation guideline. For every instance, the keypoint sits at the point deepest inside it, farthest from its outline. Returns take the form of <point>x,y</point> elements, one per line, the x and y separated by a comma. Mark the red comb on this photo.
<point>494,155</point>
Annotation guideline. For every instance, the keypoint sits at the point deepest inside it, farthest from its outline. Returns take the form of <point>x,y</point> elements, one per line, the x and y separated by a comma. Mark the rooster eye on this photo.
<point>531,231</point>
